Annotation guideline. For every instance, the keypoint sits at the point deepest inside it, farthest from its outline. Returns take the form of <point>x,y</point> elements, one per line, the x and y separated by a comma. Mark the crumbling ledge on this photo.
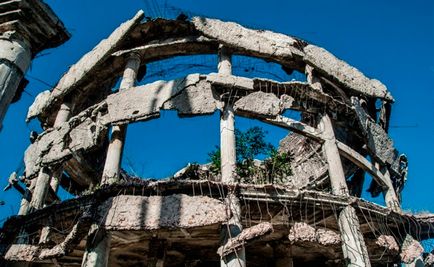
<point>245,236</point>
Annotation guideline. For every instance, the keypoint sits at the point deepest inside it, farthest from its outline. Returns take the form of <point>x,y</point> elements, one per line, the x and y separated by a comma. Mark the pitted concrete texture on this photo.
<point>302,232</point>
<point>411,249</point>
<point>155,212</point>
<point>388,242</point>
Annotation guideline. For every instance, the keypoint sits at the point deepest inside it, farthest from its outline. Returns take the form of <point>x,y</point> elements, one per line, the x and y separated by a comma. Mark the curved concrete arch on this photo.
<point>203,38</point>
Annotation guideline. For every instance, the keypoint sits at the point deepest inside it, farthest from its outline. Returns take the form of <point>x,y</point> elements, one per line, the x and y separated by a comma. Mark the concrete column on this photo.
<point>15,57</point>
<point>63,115</point>
<point>225,61</point>
<point>389,193</point>
<point>97,248</point>
<point>115,149</point>
<point>232,229</point>
<point>353,244</point>
<point>41,188</point>
<point>227,144</point>
<point>25,201</point>
<point>228,167</point>
<point>330,149</point>
<point>227,124</point>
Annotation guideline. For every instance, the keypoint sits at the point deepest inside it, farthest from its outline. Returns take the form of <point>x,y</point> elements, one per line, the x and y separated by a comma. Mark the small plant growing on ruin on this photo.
<point>249,145</point>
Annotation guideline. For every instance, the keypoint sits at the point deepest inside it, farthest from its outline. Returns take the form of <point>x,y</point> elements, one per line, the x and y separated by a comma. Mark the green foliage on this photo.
<point>215,159</point>
<point>250,144</point>
<point>278,166</point>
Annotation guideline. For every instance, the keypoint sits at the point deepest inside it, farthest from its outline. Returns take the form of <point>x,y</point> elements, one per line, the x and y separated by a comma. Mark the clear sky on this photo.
<point>392,41</point>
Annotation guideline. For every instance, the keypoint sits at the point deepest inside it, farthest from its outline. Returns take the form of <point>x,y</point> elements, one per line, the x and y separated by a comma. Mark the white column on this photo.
<point>353,244</point>
<point>227,124</point>
<point>390,196</point>
<point>25,203</point>
<point>15,57</point>
<point>63,115</point>
<point>227,144</point>
<point>39,194</point>
<point>115,149</point>
<point>228,167</point>
<point>232,229</point>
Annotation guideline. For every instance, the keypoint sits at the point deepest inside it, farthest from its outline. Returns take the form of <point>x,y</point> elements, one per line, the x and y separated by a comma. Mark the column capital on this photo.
<point>32,22</point>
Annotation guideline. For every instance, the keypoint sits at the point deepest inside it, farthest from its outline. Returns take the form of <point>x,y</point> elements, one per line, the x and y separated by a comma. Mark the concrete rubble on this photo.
<point>411,250</point>
<point>302,232</point>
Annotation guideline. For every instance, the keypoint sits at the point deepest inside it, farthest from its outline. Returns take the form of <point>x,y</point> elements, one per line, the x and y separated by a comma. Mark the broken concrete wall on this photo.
<point>343,73</point>
<point>156,212</point>
<point>81,133</point>
<point>308,164</point>
<point>378,141</point>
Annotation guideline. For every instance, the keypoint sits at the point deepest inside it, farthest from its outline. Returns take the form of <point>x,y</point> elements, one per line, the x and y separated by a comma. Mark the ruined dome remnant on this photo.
<point>314,217</point>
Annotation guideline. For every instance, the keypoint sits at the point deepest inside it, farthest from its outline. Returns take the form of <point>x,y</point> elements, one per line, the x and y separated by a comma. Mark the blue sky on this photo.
<point>392,41</point>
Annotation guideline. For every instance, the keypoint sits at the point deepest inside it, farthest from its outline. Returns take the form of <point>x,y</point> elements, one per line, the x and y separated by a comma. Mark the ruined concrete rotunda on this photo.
<point>313,217</point>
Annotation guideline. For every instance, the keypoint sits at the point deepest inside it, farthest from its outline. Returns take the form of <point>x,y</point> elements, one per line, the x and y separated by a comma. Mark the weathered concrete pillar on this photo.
<point>63,115</point>
<point>227,144</point>
<point>312,79</point>
<point>389,193</point>
<point>228,167</point>
<point>21,40</point>
<point>39,194</point>
<point>232,229</point>
<point>353,244</point>
<point>227,124</point>
<point>97,248</point>
<point>25,201</point>
<point>115,149</point>
<point>15,57</point>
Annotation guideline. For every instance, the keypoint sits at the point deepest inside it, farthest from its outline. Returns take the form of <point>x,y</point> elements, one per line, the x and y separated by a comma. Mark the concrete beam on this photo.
<point>79,71</point>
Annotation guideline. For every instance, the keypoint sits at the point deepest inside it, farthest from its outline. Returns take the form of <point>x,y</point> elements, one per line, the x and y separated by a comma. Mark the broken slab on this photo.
<point>244,237</point>
<point>429,260</point>
<point>74,76</point>
<point>388,242</point>
<point>265,104</point>
<point>22,252</point>
<point>157,212</point>
<point>378,141</point>
<point>411,250</point>
<point>259,43</point>
<point>340,71</point>
<point>303,232</point>
<point>81,133</point>
<point>76,234</point>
